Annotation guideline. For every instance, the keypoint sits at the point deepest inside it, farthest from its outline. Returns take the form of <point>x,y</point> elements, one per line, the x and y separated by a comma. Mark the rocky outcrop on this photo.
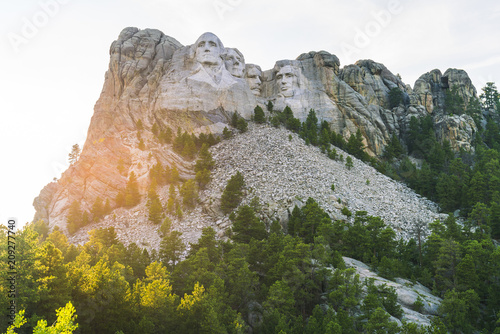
<point>372,80</point>
<point>460,79</point>
<point>459,130</point>
<point>430,92</point>
<point>407,293</point>
<point>153,79</point>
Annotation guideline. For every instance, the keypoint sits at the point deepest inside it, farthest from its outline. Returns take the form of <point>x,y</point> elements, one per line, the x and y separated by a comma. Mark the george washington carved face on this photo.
<point>209,49</point>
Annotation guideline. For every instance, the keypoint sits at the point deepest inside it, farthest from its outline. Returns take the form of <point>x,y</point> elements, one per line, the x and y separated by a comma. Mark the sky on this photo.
<point>54,55</point>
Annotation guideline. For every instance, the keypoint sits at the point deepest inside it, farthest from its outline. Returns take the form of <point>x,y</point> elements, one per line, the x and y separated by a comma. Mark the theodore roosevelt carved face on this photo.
<point>253,78</point>
<point>287,79</point>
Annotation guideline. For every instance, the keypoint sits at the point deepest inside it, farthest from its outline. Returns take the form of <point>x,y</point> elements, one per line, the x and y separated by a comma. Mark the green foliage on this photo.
<point>205,160</point>
<point>132,196</point>
<point>453,102</point>
<point>155,208</point>
<point>189,193</point>
<point>269,106</point>
<point>348,162</point>
<point>171,249</point>
<point>233,193</point>
<point>379,323</point>
<point>188,145</point>
<point>42,228</point>
<point>490,96</point>
<point>239,122</point>
<point>242,125</point>
<point>76,218</point>
<point>309,129</point>
<point>418,305</point>
<point>247,226</point>
<point>356,147</point>
<point>460,311</point>
<point>308,221</point>
<point>97,211</point>
<point>281,276</point>
<point>346,212</point>
<point>203,177</point>
<point>226,134</point>
<point>65,322</point>
<point>234,119</point>
<point>394,149</point>
<point>396,97</point>
<point>259,116</point>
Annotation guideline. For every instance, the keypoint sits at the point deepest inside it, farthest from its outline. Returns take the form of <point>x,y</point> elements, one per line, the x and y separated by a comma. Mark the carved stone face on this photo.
<point>253,79</point>
<point>287,80</point>
<point>235,63</point>
<point>209,49</point>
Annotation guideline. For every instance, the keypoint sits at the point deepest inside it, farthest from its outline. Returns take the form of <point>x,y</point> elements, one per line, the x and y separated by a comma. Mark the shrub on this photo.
<point>345,211</point>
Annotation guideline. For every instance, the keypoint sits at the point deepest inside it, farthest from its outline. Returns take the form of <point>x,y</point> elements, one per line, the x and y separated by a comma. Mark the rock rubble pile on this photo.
<point>281,172</point>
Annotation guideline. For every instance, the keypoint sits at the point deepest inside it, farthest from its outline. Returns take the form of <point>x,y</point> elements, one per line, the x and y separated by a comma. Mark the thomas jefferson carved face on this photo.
<point>209,49</point>
<point>254,75</point>
<point>287,80</point>
<point>235,62</point>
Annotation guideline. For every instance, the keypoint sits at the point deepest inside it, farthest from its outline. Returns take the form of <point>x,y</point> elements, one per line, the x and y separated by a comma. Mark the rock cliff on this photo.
<point>153,79</point>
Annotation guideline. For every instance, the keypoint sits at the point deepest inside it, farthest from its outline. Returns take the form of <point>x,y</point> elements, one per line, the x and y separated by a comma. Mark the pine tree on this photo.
<point>233,192</point>
<point>355,145</point>
<point>348,162</point>
<point>171,249</point>
<point>75,154</point>
<point>396,97</point>
<point>189,193</point>
<point>242,125</point>
<point>155,129</point>
<point>234,119</point>
<point>139,125</point>
<point>97,210</point>
<point>226,134</point>
<point>203,177</point>
<point>132,196</point>
<point>74,219</point>
<point>269,106</point>
<point>189,149</point>
<point>247,226</point>
<point>259,116</point>
<point>453,102</point>
<point>205,160</point>
<point>490,96</point>
<point>174,175</point>
<point>166,226</point>
<point>155,208</point>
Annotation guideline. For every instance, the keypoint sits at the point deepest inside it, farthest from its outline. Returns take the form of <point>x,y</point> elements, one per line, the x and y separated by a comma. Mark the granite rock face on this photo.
<point>153,79</point>
<point>407,293</point>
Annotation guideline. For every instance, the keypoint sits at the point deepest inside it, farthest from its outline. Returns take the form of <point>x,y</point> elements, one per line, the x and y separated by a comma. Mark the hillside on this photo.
<point>282,173</point>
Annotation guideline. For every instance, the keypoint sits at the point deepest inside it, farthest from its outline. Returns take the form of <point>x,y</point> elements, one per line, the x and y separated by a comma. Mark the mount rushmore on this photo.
<point>152,78</point>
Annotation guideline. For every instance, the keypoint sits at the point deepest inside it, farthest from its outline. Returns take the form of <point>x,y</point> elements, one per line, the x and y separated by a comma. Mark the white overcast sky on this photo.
<point>54,54</point>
